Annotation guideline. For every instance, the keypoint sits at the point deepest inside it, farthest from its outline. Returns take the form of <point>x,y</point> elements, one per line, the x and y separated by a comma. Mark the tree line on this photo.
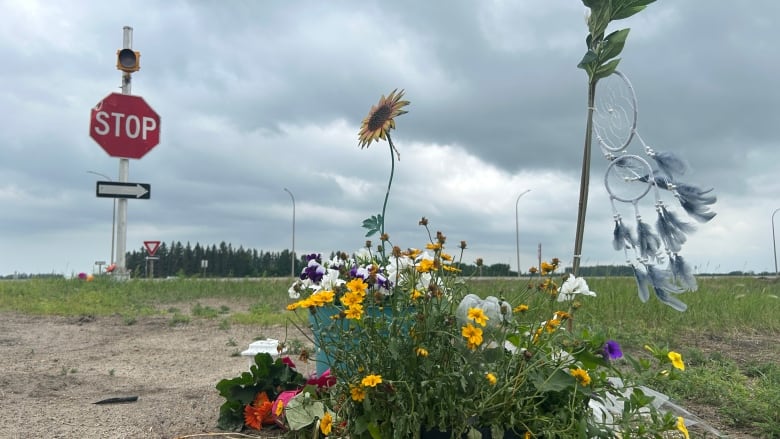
<point>224,260</point>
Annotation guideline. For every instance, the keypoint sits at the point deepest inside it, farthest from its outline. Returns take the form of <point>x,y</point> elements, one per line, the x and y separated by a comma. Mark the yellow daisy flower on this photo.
<point>357,393</point>
<point>351,298</point>
<point>357,285</point>
<point>354,312</point>
<point>491,378</point>
<point>371,380</point>
<point>425,266</point>
<point>421,352</point>
<point>478,316</point>
<point>326,424</point>
<point>582,376</point>
<point>520,308</point>
<point>473,335</point>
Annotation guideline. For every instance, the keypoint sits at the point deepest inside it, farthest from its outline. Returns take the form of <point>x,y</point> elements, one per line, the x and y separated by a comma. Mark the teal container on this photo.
<point>326,329</point>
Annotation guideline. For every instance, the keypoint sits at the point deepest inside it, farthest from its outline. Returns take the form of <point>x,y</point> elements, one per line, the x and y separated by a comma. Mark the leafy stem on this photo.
<point>600,61</point>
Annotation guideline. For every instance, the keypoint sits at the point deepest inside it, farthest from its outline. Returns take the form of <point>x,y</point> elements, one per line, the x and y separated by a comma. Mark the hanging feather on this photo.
<point>622,238</point>
<point>673,232</point>
<point>664,287</point>
<point>670,164</point>
<point>682,273</point>
<point>699,212</point>
<point>695,194</point>
<point>672,238</point>
<point>641,283</point>
<point>670,300</point>
<point>662,181</point>
<point>672,219</point>
<point>647,241</point>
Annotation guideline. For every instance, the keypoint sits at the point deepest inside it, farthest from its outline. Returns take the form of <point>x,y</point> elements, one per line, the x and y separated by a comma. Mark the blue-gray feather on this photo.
<point>695,193</point>
<point>648,243</point>
<point>683,274</point>
<point>672,230</point>
<point>664,287</point>
<point>641,283</point>
<point>670,164</point>
<point>673,238</point>
<point>622,237</point>
<point>676,222</point>
<point>699,212</point>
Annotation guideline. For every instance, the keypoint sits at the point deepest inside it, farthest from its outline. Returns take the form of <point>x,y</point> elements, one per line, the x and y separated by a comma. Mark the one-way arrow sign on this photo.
<point>115,189</point>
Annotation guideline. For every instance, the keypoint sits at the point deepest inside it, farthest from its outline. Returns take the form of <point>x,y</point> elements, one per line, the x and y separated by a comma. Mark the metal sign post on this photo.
<point>124,172</point>
<point>126,127</point>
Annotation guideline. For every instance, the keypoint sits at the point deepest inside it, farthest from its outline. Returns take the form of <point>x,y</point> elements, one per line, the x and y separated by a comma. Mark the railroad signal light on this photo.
<point>128,60</point>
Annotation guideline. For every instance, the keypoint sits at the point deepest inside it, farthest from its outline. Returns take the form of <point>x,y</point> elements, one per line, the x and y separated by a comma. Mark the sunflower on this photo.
<point>380,119</point>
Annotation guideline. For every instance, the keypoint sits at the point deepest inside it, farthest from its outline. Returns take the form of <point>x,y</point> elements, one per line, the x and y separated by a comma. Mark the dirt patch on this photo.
<point>55,369</point>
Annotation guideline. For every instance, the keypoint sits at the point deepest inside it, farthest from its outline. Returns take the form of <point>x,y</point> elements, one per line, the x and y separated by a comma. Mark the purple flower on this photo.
<point>612,350</point>
<point>314,271</point>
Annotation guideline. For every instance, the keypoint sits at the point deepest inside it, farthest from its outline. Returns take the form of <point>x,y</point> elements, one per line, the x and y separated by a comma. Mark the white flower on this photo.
<point>572,287</point>
<point>295,289</point>
<point>330,280</point>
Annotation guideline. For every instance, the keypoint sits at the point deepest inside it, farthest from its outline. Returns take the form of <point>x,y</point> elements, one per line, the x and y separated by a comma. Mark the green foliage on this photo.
<point>208,312</point>
<point>265,375</point>
<point>601,60</point>
<point>745,396</point>
<point>373,224</point>
<point>179,319</point>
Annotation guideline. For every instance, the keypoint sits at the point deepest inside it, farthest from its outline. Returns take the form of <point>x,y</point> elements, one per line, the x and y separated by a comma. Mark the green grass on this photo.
<point>135,297</point>
<point>713,334</point>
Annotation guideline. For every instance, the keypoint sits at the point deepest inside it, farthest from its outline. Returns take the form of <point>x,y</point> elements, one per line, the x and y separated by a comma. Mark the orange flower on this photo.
<point>259,413</point>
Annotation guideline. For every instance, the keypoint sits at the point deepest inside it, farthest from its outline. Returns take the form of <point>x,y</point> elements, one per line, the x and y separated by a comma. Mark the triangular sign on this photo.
<point>151,247</point>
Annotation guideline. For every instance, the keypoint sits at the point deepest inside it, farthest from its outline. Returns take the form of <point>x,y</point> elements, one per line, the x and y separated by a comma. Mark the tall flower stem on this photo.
<point>389,184</point>
<point>584,180</point>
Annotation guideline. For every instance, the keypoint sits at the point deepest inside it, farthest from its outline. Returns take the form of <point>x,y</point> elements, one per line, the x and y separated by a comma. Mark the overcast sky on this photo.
<point>258,96</point>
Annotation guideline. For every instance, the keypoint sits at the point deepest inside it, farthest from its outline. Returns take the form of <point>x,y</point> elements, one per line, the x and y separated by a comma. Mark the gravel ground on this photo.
<point>54,369</point>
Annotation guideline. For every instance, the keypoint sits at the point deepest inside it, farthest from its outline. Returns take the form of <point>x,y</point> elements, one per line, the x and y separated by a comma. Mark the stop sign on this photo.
<point>124,126</point>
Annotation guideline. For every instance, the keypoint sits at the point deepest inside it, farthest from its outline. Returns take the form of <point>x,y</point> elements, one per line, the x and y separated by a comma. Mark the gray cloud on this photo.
<point>258,96</point>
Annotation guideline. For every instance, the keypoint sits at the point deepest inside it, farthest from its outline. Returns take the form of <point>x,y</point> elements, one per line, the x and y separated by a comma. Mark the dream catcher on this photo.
<point>651,245</point>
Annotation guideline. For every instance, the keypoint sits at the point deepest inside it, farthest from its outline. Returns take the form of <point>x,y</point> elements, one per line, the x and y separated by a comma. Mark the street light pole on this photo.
<point>292,255</point>
<point>113,215</point>
<point>517,230</point>
<point>774,245</point>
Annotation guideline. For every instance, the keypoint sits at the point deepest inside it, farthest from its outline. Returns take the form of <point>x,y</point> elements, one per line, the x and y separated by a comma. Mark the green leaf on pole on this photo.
<point>590,57</point>
<point>628,8</point>
<point>606,70</point>
<point>613,44</point>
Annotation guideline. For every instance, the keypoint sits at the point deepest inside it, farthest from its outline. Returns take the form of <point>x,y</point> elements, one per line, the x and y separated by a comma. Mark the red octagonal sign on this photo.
<point>124,126</point>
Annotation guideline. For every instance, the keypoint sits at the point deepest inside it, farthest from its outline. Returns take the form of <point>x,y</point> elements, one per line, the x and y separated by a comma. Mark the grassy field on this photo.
<point>728,336</point>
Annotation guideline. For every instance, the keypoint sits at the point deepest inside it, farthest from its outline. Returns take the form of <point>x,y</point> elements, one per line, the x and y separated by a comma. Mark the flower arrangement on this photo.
<point>405,348</point>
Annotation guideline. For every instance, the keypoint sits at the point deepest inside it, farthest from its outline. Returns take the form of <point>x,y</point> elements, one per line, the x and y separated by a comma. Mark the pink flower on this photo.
<point>288,362</point>
<point>324,380</point>
<point>277,409</point>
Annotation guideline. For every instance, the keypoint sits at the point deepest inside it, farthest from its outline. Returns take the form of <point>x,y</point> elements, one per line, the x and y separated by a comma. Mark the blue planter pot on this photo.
<point>326,330</point>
